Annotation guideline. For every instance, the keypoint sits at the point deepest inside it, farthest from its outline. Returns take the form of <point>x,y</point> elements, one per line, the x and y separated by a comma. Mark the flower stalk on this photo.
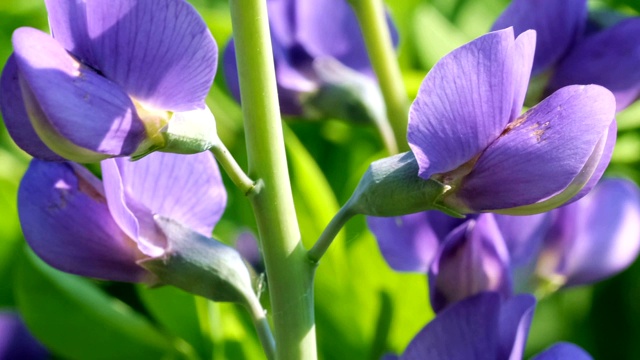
<point>289,271</point>
<point>377,37</point>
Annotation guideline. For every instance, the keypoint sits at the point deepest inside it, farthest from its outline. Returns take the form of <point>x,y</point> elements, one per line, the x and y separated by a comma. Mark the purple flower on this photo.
<point>472,259</point>
<point>593,238</point>
<point>110,79</point>
<point>466,131</point>
<point>571,55</point>
<point>483,327</point>
<point>15,340</point>
<point>410,242</point>
<point>78,224</point>
<point>311,57</point>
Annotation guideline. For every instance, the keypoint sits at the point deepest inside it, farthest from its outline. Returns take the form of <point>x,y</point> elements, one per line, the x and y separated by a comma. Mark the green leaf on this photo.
<point>76,320</point>
<point>177,312</point>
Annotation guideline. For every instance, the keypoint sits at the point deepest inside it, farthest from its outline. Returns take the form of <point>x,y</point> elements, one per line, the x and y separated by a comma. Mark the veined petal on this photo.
<point>540,153</point>
<point>87,117</point>
<point>466,330</point>
<point>67,223</point>
<point>525,47</point>
<point>160,51</point>
<point>523,235</point>
<point>472,259</point>
<point>607,234</point>
<point>608,58</point>
<point>563,351</point>
<point>557,23</point>
<point>15,115</point>
<point>184,188</point>
<point>410,242</point>
<point>463,104</point>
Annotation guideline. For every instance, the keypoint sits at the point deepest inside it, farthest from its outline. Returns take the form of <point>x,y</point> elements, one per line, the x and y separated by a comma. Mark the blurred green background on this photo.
<point>363,308</point>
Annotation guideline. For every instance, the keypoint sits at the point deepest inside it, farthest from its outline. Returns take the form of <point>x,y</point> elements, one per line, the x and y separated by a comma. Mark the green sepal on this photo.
<point>200,265</point>
<point>392,187</point>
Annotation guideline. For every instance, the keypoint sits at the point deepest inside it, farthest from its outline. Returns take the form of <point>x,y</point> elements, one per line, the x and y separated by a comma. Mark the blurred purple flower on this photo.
<point>571,55</point>
<point>83,226</point>
<point>15,340</point>
<point>594,238</point>
<point>307,52</point>
<point>247,246</point>
<point>109,80</point>
<point>472,259</point>
<point>466,131</point>
<point>484,326</point>
<point>410,242</point>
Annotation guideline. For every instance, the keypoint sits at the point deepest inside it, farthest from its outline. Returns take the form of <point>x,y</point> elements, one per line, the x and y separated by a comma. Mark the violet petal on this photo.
<point>563,351</point>
<point>540,153</point>
<point>472,259</point>
<point>608,58</point>
<point>184,188</point>
<point>463,104</point>
<point>86,109</point>
<point>557,23</point>
<point>15,115</point>
<point>67,223</point>
<point>607,237</point>
<point>166,56</point>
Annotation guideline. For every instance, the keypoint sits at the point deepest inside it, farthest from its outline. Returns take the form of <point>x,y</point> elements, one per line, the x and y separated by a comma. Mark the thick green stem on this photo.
<point>289,271</point>
<point>373,22</point>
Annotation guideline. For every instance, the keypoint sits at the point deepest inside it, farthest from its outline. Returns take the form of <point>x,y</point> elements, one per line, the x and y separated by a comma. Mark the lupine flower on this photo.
<point>472,259</point>
<point>15,340</point>
<point>483,327</point>
<point>571,55</point>
<point>78,224</point>
<point>466,131</point>
<point>109,81</point>
<point>320,70</point>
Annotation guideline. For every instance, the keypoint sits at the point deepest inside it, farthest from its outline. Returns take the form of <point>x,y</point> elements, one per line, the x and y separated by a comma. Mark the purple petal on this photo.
<point>472,259</point>
<point>542,152</point>
<point>524,52</point>
<point>479,327</point>
<point>609,58</point>
<point>557,23</point>
<point>410,242</point>
<point>87,117</point>
<point>465,330</point>
<point>165,55</point>
<point>185,188</point>
<point>515,319</point>
<point>523,235</point>
<point>67,223</point>
<point>16,342</point>
<point>15,115</point>
<point>605,158</point>
<point>607,233</point>
<point>464,103</point>
<point>563,351</point>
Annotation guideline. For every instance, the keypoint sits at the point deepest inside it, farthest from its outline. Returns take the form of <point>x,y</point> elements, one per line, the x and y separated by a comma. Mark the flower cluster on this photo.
<point>574,50</point>
<point>104,105</point>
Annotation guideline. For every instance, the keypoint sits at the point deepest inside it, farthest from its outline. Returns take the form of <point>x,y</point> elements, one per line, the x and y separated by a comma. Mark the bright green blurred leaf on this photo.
<point>76,320</point>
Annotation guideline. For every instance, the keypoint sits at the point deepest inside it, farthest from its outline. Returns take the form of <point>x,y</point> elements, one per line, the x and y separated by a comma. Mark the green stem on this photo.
<point>233,169</point>
<point>262,327</point>
<point>373,22</point>
<point>289,271</point>
<point>330,232</point>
